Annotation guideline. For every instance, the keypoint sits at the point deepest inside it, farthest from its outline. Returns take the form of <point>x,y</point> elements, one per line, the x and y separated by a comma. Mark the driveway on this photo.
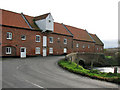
<point>43,72</point>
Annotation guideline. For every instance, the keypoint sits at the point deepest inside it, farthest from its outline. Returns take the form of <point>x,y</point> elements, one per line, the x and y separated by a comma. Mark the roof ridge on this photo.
<point>41,15</point>
<point>67,29</point>
<point>75,27</point>
<point>15,12</point>
<point>26,20</point>
<point>90,36</point>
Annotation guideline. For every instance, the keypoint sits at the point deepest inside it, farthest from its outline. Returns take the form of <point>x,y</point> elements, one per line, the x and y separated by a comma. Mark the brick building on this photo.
<point>23,35</point>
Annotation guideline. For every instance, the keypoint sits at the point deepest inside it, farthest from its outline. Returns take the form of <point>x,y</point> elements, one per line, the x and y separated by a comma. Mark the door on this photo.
<point>45,41</point>
<point>65,50</point>
<point>44,52</point>
<point>23,52</point>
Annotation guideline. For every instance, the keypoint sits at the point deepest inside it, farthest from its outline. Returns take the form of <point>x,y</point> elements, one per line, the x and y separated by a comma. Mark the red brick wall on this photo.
<point>100,48</point>
<point>16,41</point>
<point>58,44</point>
<point>81,49</point>
<point>0,41</point>
<point>30,43</point>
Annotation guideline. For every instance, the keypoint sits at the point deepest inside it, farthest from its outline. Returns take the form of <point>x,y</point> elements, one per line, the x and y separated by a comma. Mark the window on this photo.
<point>65,41</point>
<point>88,46</point>
<point>97,48</point>
<point>50,39</point>
<point>8,50</point>
<point>83,46</point>
<point>77,45</point>
<point>23,37</point>
<point>50,50</point>
<point>37,38</point>
<point>9,35</point>
<point>37,50</point>
<point>49,21</point>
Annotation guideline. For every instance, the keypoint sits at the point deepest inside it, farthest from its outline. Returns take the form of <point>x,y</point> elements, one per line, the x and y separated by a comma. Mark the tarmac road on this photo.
<point>43,72</point>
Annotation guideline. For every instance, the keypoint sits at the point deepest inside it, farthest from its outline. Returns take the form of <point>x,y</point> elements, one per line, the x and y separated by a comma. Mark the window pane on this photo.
<point>51,50</point>
<point>65,41</point>
<point>37,38</point>
<point>8,50</point>
<point>37,51</point>
<point>51,39</point>
<point>9,35</point>
<point>23,37</point>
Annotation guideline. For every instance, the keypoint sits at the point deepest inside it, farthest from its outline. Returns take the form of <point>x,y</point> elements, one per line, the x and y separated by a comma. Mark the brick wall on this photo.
<point>99,48</point>
<point>16,41</point>
<point>58,44</point>
<point>88,46</point>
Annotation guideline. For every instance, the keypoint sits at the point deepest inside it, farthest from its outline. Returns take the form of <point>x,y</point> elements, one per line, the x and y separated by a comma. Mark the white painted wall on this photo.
<point>44,24</point>
<point>41,24</point>
<point>50,25</point>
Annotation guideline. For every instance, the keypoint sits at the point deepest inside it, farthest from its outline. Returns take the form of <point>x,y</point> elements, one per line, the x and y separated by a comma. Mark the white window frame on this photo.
<point>9,34</point>
<point>39,38</point>
<point>37,50</point>
<point>50,38</point>
<point>50,50</point>
<point>83,46</point>
<point>65,40</point>
<point>9,50</point>
<point>23,38</point>
<point>77,45</point>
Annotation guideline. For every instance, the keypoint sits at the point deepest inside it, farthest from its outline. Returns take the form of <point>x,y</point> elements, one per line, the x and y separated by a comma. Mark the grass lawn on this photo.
<point>72,67</point>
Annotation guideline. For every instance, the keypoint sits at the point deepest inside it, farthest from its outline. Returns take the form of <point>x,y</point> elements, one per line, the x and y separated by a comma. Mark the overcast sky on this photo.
<point>99,17</point>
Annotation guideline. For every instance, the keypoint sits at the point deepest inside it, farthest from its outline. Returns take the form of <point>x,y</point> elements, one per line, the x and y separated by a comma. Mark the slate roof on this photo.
<point>97,40</point>
<point>79,34</point>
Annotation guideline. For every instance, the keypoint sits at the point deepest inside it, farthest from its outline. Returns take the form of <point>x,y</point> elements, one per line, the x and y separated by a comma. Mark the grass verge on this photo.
<point>94,74</point>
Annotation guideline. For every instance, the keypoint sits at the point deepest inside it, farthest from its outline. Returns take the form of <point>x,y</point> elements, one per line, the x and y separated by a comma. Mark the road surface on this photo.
<point>43,72</point>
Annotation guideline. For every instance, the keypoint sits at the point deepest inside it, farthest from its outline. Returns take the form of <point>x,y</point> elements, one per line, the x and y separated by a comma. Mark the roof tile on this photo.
<point>79,34</point>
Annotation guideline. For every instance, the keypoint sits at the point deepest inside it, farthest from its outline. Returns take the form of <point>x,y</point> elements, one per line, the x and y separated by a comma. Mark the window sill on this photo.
<point>9,39</point>
<point>8,53</point>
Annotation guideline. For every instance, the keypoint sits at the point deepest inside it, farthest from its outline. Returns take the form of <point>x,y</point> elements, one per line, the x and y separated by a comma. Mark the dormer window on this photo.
<point>49,21</point>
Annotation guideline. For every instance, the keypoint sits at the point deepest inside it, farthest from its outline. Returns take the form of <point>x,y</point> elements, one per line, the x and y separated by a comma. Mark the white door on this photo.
<point>45,41</point>
<point>65,50</point>
<point>44,52</point>
<point>23,52</point>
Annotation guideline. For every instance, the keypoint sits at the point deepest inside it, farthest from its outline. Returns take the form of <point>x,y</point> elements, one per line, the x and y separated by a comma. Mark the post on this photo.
<point>115,69</point>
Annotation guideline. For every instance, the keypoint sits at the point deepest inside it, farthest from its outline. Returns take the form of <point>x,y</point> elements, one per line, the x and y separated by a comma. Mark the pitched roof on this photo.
<point>13,19</point>
<point>79,34</point>
<point>97,40</point>
<point>59,28</point>
<point>41,16</point>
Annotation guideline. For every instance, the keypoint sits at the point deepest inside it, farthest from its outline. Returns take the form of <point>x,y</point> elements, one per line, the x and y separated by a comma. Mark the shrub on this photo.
<point>95,71</point>
<point>112,77</point>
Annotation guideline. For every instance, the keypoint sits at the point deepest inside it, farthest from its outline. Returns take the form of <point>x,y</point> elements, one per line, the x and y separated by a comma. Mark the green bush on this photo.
<point>112,77</point>
<point>95,71</point>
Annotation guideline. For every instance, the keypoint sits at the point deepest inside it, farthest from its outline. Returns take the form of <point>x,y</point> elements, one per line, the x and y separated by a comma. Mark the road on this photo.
<point>43,72</point>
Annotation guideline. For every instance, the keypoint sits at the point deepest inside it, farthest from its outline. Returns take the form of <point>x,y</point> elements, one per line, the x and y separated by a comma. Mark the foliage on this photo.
<point>113,77</point>
<point>108,57</point>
